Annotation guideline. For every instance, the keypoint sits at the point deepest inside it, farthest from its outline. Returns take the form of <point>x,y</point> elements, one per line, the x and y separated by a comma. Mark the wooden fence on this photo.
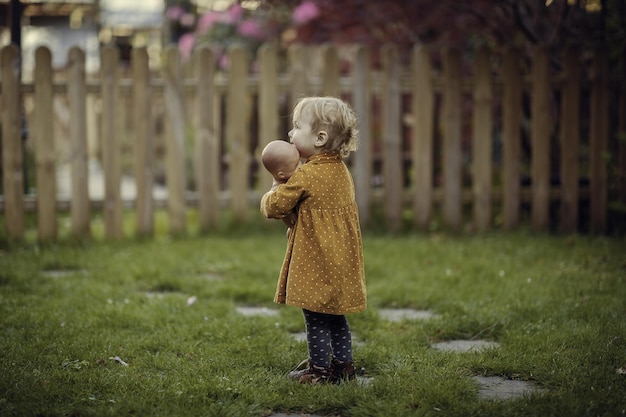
<point>485,142</point>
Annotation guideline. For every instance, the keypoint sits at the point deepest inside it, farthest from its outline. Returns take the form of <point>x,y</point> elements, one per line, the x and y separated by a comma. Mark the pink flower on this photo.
<point>233,14</point>
<point>223,62</point>
<point>185,45</point>
<point>251,28</point>
<point>174,12</point>
<point>207,20</point>
<point>187,20</point>
<point>305,12</point>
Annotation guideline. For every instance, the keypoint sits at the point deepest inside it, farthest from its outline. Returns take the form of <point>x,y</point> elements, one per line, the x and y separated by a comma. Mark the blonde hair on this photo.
<point>334,116</point>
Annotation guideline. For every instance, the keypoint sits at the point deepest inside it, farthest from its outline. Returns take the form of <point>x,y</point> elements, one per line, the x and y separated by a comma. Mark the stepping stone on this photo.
<point>364,381</point>
<point>293,415</point>
<point>257,311</point>
<point>497,388</point>
<point>400,314</point>
<point>298,337</point>
<point>210,276</point>
<point>60,273</point>
<point>465,345</point>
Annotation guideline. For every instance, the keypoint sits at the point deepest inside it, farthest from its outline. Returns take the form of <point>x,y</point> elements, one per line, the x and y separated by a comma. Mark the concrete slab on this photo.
<point>401,314</point>
<point>60,273</point>
<point>257,311</point>
<point>293,415</point>
<point>497,388</point>
<point>298,337</point>
<point>210,276</point>
<point>465,345</point>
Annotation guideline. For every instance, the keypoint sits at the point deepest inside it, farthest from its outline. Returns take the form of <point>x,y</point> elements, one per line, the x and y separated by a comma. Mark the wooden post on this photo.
<point>298,61</point>
<point>268,107</point>
<point>392,137</point>
<point>598,142</point>
<point>362,159</point>
<point>77,96</point>
<point>12,155</point>
<point>43,132</point>
<point>481,149</point>
<point>512,152</point>
<point>540,139</point>
<point>621,134</point>
<point>330,71</point>
<point>237,132</point>
<point>175,142</point>
<point>207,142</point>
<point>143,144</point>
<point>570,140</point>
<point>422,146</point>
<point>111,132</point>
<point>452,198</point>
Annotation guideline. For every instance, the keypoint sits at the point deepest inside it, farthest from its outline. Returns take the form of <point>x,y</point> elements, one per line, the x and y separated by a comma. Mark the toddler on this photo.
<point>323,272</point>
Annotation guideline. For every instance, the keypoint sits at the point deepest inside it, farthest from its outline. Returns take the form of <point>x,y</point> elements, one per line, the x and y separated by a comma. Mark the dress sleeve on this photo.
<point>276,204</point>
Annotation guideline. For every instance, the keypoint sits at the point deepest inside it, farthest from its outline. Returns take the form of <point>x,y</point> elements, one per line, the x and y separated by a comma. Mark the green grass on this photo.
<point>556,305</point>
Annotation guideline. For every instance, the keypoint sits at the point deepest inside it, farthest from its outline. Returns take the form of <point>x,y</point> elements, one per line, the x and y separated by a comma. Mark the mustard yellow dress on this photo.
<point>323,266</point>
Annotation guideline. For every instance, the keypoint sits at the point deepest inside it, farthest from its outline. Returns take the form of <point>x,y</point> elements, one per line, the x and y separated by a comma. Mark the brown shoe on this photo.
<point>342,371</point>
<point>312,374</point>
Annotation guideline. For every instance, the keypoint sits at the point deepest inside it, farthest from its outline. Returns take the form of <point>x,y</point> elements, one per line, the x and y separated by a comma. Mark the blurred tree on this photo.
<point>587,23</point>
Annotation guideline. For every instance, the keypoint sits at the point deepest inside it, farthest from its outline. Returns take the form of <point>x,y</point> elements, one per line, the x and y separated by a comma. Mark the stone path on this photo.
<point>489,388</point>
<point>465,345</point>
<point>496,388</point>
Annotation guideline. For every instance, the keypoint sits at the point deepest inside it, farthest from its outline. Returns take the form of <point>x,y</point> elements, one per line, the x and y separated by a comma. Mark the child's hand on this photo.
<point>292,217</point>
<point>288,233</point>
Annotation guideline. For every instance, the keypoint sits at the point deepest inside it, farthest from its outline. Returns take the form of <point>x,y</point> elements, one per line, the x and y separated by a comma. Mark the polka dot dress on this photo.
<point>323,266</point>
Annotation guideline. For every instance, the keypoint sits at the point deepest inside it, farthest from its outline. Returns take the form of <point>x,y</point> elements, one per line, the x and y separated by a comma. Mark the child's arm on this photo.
<point>290,219</point>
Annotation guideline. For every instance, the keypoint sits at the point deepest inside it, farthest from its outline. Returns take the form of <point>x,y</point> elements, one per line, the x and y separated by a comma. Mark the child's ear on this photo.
<point>281,175</point>
<point>321,138</point>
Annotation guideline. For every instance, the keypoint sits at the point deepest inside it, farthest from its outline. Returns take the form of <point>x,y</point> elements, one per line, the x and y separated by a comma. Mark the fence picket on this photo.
<point>207,142</point>
<point>452,161</point>
<point>330,71</point>
<point>43,132</point>
<point>540,138</point>
<point>238,113</point>
<point>77,96</point>
<point>393,180</point>
<point>111,134</point>
<point>598,142</point>
<point>511,132</point>
<point>362,159</point>
<point>298,64</point>
<point>422,147</point>
<point>143,143</point>
<point>570,140</point>
<point>175,142</point>
<point>482,139</point>
<point>621,132</point>
<point>12,151</point>
<point>268,107</point>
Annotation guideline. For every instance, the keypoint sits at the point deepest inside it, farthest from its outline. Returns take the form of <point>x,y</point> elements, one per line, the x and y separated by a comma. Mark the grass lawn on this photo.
<point>166,308</point>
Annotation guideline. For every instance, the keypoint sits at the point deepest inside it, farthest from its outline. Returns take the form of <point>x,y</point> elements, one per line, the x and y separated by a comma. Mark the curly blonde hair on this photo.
<point>336,117</point>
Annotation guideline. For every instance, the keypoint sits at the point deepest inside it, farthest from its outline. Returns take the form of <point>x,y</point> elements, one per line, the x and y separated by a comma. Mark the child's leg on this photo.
<point>341,338</point>
<point>318,338</point>
<point>326,334</point>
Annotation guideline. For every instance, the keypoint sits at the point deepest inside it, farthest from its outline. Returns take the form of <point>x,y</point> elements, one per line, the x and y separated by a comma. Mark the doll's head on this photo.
<point>281,159</point>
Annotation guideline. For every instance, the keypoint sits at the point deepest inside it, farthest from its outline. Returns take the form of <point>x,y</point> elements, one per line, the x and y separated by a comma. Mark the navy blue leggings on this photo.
<point>327,335</point>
